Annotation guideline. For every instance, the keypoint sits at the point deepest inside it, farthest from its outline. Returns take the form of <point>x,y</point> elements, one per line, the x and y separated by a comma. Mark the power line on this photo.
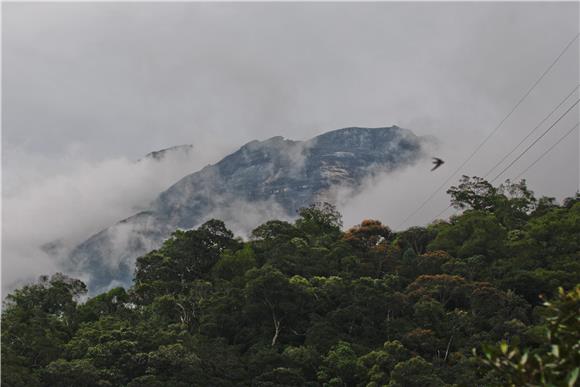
<point>535,141</point>
<point>529,166</point>
<point>548,150</point>
<point>493,131</point>
<point>441,213</point>
<point>531,132</point>
<point>528,148</point>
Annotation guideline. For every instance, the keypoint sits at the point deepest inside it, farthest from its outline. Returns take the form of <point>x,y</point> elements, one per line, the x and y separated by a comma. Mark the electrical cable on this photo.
<point>535,141</point>
<point>548,150</point>
<point>486,139</point>
<point>531,132</point>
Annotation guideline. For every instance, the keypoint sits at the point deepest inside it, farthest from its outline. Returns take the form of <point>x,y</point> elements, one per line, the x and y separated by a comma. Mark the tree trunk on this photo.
<point>448,346</point>
<point>277,324</point>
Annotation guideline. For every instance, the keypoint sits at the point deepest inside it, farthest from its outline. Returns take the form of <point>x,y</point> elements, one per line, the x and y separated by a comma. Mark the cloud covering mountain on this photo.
<point>45,214</point>
<point>91,87</point>
<point>261,181</point>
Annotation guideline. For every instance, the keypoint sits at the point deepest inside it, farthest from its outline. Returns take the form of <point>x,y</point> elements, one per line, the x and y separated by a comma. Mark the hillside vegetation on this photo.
<point>457,303</point>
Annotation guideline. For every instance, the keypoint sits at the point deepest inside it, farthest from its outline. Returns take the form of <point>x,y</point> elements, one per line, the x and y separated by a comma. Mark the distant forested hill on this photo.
<point>308,304</point>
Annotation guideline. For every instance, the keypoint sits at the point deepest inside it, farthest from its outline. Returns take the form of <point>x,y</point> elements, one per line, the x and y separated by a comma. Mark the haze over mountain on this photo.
<point>68,206</point>
<point>261,181</point>
<point>81,102</point>
<point>169,152</point>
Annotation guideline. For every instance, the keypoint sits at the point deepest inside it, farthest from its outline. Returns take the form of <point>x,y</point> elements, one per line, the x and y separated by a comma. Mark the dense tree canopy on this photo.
<point>457,303</point>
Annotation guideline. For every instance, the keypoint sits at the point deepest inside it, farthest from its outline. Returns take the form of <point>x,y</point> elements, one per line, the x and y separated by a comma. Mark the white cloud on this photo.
<point>88,87</point>
<point>70,206</point>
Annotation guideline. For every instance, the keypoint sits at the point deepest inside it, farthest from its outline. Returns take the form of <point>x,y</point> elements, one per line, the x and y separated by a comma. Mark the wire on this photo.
<point>536,161</point>
<point>492,132</point>
<point>441,213</point>
<point>548,150</point>
<point>531,132</point>
<point>535,141</point>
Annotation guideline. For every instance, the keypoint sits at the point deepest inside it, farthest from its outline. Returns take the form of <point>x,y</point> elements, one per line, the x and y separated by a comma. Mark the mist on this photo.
<point>89,88</point>
<point>46,215</point>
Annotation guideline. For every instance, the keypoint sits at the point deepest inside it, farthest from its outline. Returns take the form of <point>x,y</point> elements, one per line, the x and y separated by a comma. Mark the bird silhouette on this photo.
<point>438,162</point>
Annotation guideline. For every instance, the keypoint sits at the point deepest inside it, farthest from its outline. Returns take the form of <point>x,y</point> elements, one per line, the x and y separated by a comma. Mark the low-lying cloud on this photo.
<point>46,215</point>
<point>84,95</point>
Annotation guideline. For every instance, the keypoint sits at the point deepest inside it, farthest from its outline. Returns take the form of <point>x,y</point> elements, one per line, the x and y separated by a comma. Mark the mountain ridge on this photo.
<point>265,179</point>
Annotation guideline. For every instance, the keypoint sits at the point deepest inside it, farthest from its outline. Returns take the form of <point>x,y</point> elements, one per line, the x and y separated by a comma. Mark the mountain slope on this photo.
<point>260,181</point>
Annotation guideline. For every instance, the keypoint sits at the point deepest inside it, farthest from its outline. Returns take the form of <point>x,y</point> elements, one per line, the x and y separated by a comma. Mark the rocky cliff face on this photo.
<point>262,180</point>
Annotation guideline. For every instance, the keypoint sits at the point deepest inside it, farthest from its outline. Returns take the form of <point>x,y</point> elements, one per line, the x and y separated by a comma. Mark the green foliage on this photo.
<point>306,304</point>
<point>276,299</point>
<point>185,257</point>
<point>282,377</point>
<point>115,301</point>
<point>379,364</point>
<point>276,229</point>
<point>415,372</point>
<point>320,221</point>
<point>339,366</point>
<point>557,363</point>
<point>233,265</point>
<point>75,373</point>
<point>37,322</point>
<point>416,238</point>
<point>304,358</point>
<point>511,202</point>
<point>473,233</point>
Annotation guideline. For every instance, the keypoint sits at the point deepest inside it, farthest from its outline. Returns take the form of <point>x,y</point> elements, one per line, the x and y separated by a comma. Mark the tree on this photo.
<point>37,321</point>
<point>319,221</point>
<point>233,265</point>
<point>424,342</point>
<point>569,202</point>
<point>275,298</point>
<point>431,262</point>
<point>473,193</point>
<point>368,234</point>
<point>370,238</point>
<point>489,304</point>
<point>275,229</point>
<point>558,362</point>
<point>339,366</point>
<point>115,301</point>
<point>305,304</point>
<point>416,238</point>
<point>304,358</point>
<point>113,345</point>
<point>185,257</point>
<point>473,233</point>
<point>74,373</point>
<point>184,307</point>
<point>511,202</point>
<point>516,203</point>
<point>283,377</point>
<point>415,372</point>
<point>176,365</point>
<point>379,364</point>
<point>450,291</point>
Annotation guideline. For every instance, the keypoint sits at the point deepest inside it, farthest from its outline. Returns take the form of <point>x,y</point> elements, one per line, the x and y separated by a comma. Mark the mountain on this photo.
<point>262,180</point>
<point>169,152</point>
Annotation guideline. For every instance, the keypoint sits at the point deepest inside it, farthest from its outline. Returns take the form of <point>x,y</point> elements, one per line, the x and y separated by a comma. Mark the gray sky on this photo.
<point>89,85</point>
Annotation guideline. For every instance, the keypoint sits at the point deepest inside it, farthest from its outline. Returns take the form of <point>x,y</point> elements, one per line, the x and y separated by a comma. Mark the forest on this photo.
<point>489,297</point>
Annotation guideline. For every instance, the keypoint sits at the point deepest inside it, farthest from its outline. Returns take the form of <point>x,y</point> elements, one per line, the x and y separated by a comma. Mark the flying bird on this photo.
<point>437,162</point>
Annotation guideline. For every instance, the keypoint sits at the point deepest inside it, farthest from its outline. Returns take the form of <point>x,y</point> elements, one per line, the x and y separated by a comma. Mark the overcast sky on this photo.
<point>88,85</point>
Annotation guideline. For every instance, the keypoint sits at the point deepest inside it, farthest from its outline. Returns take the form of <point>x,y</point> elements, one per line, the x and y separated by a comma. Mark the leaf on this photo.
<point>573,377</point>
<point>504,347</point>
